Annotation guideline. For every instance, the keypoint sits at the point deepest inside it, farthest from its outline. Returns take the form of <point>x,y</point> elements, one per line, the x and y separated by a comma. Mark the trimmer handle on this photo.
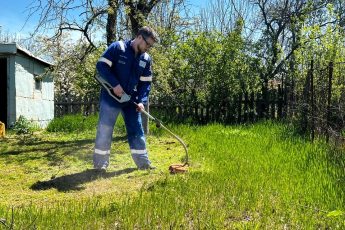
<point>124,98</point>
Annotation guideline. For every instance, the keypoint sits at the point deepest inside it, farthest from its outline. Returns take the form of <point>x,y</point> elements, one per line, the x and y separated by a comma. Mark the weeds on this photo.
<point>23,126</point>
<point>241,177</point>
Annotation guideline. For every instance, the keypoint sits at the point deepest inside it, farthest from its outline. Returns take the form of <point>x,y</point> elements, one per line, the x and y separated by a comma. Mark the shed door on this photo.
<point>3,90</point>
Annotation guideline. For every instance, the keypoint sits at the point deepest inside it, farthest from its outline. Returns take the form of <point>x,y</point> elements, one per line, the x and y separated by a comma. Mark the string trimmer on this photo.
<point>174,168</point>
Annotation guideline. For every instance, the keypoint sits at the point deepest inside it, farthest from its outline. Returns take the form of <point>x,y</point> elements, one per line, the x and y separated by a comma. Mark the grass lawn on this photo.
<point>258,176</point>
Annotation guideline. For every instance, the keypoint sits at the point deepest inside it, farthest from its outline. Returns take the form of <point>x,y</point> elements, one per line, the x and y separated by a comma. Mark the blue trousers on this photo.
<point>135,134</point>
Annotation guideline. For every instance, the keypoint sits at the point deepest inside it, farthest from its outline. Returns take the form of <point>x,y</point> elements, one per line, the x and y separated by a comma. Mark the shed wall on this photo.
<point>35,105</point>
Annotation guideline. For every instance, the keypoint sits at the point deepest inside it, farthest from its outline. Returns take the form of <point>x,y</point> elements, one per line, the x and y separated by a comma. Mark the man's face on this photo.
<point>145,44</point>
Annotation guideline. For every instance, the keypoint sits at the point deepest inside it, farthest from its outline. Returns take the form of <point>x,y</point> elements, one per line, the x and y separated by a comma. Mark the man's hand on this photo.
<point>118,90</point>
<point>140,107</point>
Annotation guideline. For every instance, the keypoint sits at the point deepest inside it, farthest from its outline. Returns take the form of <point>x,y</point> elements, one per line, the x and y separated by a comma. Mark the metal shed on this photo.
<point>26,87</point>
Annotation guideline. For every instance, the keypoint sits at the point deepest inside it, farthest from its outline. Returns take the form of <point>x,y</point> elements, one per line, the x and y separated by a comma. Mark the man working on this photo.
<point>127,67</point>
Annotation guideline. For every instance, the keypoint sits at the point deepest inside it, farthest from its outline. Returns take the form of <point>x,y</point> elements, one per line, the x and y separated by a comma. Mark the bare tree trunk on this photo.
<point>112,20</point>
<point>305,103</point>
<point>138,13</point>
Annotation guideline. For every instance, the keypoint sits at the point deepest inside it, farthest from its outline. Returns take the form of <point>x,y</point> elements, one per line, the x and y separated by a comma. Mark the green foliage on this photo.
<point>324,47</point>
<point>74,67</point>
<point>205,68</point>
<point>208,68</point>
<point>24,126</point>
<point>72,123</point>
<point>85,83</point>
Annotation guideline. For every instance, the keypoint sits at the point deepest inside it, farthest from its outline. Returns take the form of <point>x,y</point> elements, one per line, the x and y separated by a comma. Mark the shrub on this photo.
<point>24,126</point>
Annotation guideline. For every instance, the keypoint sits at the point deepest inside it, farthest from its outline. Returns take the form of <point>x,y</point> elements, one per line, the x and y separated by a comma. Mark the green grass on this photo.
<point>73,123</point>
<point>241,177</point>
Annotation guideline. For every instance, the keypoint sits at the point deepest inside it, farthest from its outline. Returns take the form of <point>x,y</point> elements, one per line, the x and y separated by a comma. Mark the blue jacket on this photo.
<point>119,65</point>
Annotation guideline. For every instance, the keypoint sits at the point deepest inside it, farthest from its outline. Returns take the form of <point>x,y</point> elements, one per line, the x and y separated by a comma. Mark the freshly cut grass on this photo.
<point>258,176</point>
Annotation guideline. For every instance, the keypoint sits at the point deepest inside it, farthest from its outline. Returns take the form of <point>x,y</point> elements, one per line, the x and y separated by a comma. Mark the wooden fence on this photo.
<point>239,109</point>
<point>80,107</point>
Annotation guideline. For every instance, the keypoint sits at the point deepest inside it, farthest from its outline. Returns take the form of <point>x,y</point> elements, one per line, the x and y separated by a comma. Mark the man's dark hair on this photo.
<point>147,32</point>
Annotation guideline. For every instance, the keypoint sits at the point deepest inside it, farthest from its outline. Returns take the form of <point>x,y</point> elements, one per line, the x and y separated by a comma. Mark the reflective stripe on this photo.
<point>102,152</point>
<point>138,151</point>
<point>103,59</point>
<point>146,56</point>
<point>148,78</point>
<point>122,46</point>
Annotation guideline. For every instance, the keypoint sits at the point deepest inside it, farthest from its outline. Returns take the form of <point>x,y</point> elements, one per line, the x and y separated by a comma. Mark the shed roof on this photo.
<point>13,48</point>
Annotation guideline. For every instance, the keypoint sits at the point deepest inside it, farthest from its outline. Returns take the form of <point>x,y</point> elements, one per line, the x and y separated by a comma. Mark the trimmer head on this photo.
<point>178,168</point>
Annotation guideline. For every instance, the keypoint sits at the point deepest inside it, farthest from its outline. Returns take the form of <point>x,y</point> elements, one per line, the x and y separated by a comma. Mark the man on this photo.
<point>127,67</point>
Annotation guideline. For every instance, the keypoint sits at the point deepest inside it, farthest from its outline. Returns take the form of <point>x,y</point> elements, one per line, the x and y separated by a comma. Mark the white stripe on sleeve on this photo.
<point>148,78</point>
<point>103,59</point>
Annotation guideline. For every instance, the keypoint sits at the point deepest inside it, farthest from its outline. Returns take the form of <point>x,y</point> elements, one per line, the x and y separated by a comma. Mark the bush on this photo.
<point>24,126</point>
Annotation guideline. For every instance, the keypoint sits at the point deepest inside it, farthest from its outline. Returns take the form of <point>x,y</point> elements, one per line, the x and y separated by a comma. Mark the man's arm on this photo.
<point>104,64</point>
<point>144,85</point>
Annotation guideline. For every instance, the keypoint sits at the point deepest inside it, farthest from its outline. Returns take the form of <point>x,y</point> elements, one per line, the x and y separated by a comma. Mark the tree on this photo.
<point>87,17</point>
<point>280,27</point>
<point>222,15</point>
<point>138,12</point>
<point>73,36</point>
<point>321,85</point>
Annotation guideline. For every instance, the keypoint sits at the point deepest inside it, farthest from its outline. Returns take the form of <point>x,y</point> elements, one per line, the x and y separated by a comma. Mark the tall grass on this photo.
<point>241,177</point>
<point>80,123</point>
<point>72,123</point>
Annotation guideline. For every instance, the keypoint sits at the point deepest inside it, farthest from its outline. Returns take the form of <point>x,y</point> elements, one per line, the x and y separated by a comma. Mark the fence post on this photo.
<point>239,108</point>
<point>264,102</point>
<point>280,102</point>
<point>246,102</point>
<point>259,105</point>
<point>227,111</point>
<point>179,113</point>
<point>251,107</point>
<point>329,98</point>
<point>202,111</point>
<point>196,115</point>
<point>312,100</point>
<point>272,102</point>
<point>230,112</point>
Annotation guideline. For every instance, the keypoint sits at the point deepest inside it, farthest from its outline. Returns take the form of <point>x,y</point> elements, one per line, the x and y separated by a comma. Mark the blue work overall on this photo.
<point>119,65</point>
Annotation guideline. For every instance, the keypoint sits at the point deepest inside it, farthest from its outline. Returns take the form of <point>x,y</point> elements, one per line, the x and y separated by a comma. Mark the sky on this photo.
<point>14,13</point>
